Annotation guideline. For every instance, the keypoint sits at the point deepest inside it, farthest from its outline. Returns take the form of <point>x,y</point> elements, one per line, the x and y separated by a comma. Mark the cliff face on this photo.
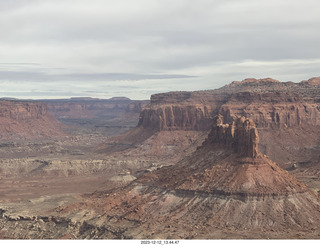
<point>22,110</point>
<point>273,110</point>
<point>240,135</point>
<point>26,120</point>
<point>181,111</point>
<point>286,114</point>
<point>176,117</point>
<point>269,103</point>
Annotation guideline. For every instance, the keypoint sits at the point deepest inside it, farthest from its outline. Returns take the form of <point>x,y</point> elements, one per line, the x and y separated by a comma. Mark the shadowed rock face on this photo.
<point>240,135</point>
<point>246,137</point>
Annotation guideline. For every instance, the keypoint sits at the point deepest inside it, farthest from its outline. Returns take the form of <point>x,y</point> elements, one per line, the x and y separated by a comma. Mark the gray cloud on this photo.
<point>80,77</point>
<point>208,41</point>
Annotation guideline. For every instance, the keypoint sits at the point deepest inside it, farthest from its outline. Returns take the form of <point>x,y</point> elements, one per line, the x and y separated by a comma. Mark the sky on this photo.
<point>135,48</point>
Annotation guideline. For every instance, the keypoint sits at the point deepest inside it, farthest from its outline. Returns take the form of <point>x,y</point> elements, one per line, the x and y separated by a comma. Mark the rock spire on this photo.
<point>240,135</point>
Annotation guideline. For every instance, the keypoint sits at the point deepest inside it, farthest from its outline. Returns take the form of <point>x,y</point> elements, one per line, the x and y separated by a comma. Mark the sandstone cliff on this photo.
<point>181,110</point>
<point>176,117</point>
<point>240,135</point>
<point>268,102</point>
<point>22,110</point>
<point>287,115</point>
<point>24,120</point>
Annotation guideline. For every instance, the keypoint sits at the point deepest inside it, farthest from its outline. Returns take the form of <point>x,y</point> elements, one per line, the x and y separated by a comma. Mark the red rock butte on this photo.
<point>241,135</point>
<point>225,185</point>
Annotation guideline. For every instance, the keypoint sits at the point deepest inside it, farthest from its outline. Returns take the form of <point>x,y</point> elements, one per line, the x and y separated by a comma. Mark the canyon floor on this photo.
<point>66,165</point>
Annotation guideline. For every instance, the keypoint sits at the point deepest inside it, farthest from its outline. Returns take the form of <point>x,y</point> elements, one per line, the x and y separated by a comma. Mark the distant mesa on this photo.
<point>8,98</point>
<point>27,120</point>
<point>119,98</point>
<point>90,98</point>
<point>83,98</point>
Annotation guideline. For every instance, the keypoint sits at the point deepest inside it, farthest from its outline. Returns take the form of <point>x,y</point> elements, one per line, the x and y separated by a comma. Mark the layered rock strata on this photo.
<point>223,190</point>
<point>241,135</point>
<point>94,108</point>
<point>26,120</point>
<point>286,114</point>
<point>225,185</point>
<point>268,102</point>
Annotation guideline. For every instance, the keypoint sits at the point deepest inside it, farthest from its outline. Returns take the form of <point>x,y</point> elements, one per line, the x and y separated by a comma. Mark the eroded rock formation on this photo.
<point>23,120</point>
<point>286,114</point>
<point>22,110</point>
<point>246,137</point>
<point>176,117</point>
<point>241,135</point>
<point>224,186</point>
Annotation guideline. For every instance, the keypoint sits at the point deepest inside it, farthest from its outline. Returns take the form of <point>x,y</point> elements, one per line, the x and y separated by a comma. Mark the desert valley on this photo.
<point>238,162</point>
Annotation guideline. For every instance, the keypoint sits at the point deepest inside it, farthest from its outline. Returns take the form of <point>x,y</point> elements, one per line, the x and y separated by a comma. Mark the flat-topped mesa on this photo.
<point>27,120</point>
<point>241,135</point>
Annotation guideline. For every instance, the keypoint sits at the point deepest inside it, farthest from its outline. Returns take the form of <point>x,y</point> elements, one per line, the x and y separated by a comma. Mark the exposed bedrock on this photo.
<point>25,120</point>
<point>177,117</point>
<point>240,135</point>
<point>269,103</point>
<point>22,110</point>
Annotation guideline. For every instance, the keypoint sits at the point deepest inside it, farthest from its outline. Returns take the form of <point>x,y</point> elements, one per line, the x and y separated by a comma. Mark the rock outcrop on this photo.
<point>246,138</point>
<point>22,110</point>
<point>26,120</point>
<point>240,135</point>
<point>176,117</point>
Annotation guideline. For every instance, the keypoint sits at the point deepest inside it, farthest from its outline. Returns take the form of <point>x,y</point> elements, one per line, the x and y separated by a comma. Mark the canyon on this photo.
<point>241,161</point>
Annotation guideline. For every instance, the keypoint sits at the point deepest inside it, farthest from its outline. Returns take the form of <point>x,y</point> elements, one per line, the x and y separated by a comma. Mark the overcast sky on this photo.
<point>135,48</point>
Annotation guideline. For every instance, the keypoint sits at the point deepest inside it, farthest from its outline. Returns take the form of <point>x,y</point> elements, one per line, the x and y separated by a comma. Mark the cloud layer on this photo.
<point>59,48</point>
